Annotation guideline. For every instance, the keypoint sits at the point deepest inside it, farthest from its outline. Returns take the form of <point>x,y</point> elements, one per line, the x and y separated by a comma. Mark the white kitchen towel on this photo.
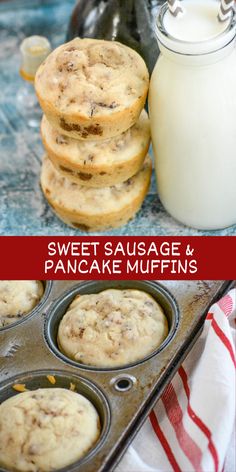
<point>191,426</point>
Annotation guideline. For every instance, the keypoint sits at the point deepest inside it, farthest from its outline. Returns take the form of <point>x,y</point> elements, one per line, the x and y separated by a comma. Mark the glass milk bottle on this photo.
<point>192,104</point>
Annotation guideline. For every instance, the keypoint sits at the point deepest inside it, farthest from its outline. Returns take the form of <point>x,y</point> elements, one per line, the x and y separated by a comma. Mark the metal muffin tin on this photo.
<point>123,396</point>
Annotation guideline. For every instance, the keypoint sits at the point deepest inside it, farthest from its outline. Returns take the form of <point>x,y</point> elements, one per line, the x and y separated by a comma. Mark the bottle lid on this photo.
<point>34,50</point>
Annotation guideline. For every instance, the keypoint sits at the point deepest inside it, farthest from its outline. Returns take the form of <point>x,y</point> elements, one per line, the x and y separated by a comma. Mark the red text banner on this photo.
<point>116,258</point>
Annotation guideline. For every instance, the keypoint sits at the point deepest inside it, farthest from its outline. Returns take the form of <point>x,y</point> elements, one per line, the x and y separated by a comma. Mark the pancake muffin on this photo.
<point>18,298</point>
<point>46,429</point>
<point>102,163</point>
<point>112,328</point>
<point>94,209</point>
<point>92,89</point>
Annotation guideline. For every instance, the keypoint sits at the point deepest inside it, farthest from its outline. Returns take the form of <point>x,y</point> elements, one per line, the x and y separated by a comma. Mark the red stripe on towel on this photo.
<point>195,418</point>
<point>224,340</point>
<point>164,442</point>
<point>226,305</point>
<point>175,416</point>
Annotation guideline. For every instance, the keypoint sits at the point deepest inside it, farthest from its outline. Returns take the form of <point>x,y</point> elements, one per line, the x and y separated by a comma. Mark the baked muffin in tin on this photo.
<point>46,429</point>
<point>112,328</point>
<point>18,298</point>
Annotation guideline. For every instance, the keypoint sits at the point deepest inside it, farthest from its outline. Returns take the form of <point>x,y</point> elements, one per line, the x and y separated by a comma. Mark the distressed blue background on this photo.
<point>23,209</point>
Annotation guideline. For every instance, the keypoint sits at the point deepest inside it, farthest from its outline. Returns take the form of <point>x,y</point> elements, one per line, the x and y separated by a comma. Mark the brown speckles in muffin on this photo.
<point>95,105</point>
<point>92,109</point>
<point>84,176</point>
<point>61,139</point>
<point>81,332</point>
<point>62,87</point>
<point>111,106</point>
<point>131,57</point>
<point>65,169</point>
<point>129,90</point>
<point>80,226</point>
<point>70,66</point>
<point>95,129</point>
<point>84,134</point>
<point>88,159</point>
<point>69,126</point>
<point>149,304</point>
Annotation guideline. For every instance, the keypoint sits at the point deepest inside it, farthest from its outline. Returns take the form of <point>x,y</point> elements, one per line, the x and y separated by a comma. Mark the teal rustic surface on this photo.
<point>23,208</point>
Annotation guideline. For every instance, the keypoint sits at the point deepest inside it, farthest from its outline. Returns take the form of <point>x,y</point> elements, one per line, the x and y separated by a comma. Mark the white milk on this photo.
<point>192,105</point>
<point>198,23</point>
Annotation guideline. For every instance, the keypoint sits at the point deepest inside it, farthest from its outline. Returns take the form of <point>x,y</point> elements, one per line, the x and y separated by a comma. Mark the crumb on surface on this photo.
<point>51,379</point>
<point>20,388</point>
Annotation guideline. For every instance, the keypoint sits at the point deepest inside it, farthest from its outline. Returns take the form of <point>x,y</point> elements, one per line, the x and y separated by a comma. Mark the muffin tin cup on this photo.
<point>47,289</point>
<point>58,309</point>
<point>38,379</point>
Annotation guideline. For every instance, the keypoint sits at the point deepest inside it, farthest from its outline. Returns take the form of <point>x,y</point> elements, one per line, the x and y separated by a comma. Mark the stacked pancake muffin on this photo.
<point>96,172</point>
<point>112,328</point>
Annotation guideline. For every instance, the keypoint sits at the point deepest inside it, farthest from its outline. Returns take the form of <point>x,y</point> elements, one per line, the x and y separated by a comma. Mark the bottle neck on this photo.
<point>199,59</point>
<point>192,34</point>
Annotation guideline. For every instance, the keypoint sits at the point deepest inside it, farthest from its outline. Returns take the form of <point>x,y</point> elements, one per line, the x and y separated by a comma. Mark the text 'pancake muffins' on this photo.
<point>46,429</point>
<point>94,209</point>
<point>18,298</point>
<point>102,163</point>
<point>112,328</point>
<point>92,89</point>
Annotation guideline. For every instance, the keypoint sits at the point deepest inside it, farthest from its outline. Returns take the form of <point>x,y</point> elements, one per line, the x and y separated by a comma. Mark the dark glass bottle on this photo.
<point>127,21</point>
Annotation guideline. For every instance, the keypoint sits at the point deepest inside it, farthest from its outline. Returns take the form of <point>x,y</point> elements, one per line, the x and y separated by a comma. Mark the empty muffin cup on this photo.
<point>129,336</point>
<point>66,413</point>
<point>21,299</point>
